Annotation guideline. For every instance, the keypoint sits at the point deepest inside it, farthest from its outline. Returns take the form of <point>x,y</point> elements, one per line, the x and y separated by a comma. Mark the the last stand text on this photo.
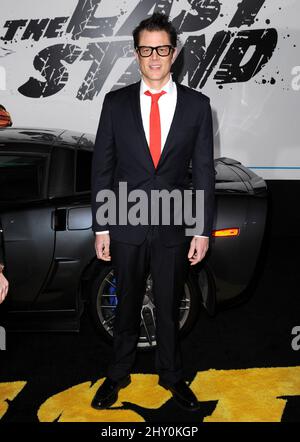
<point>224,58</point>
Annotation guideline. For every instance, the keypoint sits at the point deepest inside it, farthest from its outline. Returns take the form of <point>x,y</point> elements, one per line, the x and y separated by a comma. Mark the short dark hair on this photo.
<point>157,22</point>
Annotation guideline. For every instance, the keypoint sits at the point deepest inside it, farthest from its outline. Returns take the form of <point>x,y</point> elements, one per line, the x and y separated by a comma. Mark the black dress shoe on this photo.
<point>182,394</point>
<point>107,393</point>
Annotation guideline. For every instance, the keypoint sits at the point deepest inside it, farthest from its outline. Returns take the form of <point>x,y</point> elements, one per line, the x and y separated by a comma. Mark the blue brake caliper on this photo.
<point>113,300</point>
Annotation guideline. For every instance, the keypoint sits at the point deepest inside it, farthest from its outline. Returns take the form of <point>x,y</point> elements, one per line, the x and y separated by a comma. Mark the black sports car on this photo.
<point>48,245</point>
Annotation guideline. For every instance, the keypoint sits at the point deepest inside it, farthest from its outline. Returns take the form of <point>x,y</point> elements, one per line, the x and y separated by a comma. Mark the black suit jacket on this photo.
<point>122,154</point>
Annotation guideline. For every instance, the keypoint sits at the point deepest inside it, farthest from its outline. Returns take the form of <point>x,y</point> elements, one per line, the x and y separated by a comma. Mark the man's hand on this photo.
<point>102,243</point>
<point>198,249</point>
<point>3,287</point>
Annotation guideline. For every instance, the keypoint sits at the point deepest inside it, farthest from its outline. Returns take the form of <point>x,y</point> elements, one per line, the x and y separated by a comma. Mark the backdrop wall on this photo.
<point>58,59</point>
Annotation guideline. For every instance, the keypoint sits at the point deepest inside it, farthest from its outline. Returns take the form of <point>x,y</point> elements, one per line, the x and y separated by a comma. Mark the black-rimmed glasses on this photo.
<point>162,51</point>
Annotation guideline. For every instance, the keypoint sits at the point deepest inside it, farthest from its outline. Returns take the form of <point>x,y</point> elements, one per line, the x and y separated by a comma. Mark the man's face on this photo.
<point>155,68</point>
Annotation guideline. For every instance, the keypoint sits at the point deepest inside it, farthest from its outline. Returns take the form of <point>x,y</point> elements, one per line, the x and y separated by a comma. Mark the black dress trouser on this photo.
<point>169,268</point>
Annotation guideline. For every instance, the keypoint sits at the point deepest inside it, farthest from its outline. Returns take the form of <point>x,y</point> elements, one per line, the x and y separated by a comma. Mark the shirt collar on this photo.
<point>168,87</point>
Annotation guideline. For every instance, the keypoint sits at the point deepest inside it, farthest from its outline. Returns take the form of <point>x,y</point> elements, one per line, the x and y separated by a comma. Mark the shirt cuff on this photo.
<point>200,236</point>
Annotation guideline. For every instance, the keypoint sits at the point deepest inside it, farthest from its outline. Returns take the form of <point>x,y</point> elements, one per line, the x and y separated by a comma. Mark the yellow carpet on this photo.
<point>8,391</point>
<point>250,395</point>
<point>247,395</point>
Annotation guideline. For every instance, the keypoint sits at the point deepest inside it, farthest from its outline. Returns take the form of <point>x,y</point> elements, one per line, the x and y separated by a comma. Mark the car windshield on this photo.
<point>21,177</point>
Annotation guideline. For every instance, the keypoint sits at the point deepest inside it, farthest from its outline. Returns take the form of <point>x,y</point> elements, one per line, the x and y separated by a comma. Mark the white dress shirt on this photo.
<point>167,104</point>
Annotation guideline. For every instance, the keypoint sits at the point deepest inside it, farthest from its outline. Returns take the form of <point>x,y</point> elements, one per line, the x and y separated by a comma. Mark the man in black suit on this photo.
<point>147,136</point>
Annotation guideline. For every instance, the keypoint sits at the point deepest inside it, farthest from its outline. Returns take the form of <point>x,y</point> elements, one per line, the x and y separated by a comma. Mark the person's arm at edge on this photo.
<point>3,284</point>
<point>103,167</point>
<point>203,176</point>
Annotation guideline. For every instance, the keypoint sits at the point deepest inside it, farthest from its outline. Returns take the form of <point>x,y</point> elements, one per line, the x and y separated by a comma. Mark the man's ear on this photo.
<point>136,55</point>
<point>174,55</point>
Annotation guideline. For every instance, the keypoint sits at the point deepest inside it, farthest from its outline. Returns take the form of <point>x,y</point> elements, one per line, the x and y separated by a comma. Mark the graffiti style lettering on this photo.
<point>54,28</point>
<point>246,13</point>
<point>35,29</point>
<point>204,14</point>
<point>83,22</point>
<point>12,28</point>
<point>200,62</point>
<point>233,55</point>
<point>104,56</point>
<point>232,70</point>
<point>49,63</point>
<point>141,12</point>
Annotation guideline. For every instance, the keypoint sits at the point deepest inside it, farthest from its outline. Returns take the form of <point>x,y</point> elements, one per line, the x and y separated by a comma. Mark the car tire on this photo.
<point>104,300</point>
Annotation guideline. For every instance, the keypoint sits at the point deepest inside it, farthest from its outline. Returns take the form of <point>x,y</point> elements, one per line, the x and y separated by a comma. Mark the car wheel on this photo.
<point>104,302</point>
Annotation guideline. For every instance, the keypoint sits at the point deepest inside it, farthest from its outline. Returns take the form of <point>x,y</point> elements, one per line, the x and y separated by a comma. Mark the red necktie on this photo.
<point>155,131</point>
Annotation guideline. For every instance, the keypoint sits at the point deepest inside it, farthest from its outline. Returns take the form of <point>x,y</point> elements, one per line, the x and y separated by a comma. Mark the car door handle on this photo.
<point>59,219</point>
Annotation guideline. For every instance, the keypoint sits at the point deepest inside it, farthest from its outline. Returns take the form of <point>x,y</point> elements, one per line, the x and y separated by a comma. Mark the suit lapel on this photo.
<point>136,109</point>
